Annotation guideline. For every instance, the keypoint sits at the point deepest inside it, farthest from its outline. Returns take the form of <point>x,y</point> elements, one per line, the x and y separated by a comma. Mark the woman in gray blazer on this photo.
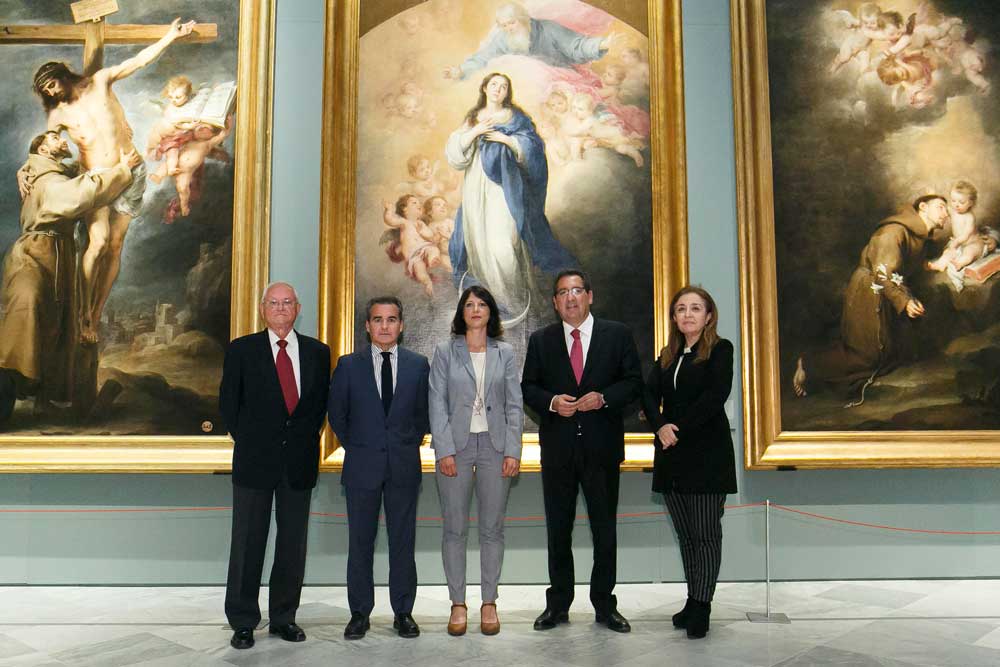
<point>476,422</point>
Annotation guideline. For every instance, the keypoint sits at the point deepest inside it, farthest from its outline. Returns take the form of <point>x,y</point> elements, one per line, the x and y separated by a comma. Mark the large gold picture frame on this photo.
<point>250,250</point>
<point>347,21</point>
<point>768,444</point>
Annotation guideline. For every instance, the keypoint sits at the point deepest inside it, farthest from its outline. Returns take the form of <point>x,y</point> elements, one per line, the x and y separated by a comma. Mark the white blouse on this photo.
<point>687,350</point>
<point>479,423</point>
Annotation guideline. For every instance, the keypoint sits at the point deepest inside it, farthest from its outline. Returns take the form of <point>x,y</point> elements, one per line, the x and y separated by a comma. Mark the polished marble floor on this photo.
<point>833,623</point>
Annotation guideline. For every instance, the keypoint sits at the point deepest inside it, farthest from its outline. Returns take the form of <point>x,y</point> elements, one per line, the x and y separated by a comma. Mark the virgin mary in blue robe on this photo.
<point>500,229</point>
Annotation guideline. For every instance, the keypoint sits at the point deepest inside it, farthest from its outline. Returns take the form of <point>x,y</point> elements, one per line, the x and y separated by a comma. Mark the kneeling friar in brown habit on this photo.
<point>273,400</point>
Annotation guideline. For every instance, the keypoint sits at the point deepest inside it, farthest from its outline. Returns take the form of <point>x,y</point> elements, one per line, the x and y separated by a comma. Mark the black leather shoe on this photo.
<point>550,618</point>
<point>357,626</point>
<point>405,626</point>
<point>289,632</point>
<point>697,622</point>
<point>242,638</point>
<point>614,621</point>
<point>680,618</point>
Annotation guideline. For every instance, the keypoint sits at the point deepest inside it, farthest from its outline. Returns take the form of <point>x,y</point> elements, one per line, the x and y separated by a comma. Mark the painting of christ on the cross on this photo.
<point>116,214</point>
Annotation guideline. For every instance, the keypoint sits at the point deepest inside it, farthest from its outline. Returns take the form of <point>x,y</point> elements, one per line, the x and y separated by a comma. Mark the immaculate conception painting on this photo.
<point>498,144</point>
<point>116,175</point>
<point>884,126</point>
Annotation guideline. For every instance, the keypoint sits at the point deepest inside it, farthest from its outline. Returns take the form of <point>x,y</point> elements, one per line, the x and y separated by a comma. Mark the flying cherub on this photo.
<point>860,30</point>
<point>410,240</point>
<point>583,130</point>
<point>183,145</point>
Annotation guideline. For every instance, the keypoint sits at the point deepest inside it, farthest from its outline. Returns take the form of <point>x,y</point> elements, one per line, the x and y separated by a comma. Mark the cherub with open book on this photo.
<point>192,129</point>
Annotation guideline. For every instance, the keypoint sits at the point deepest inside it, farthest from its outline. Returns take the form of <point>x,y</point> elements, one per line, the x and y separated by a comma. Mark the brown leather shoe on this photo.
<point>489,628</point>
<point>458,629</point>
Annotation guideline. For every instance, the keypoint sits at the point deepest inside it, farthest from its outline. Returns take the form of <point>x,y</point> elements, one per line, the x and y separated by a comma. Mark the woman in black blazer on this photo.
<point>694,466</point>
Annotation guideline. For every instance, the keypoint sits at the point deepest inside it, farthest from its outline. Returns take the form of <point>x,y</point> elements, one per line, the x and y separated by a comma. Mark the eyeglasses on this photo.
<point>274,303</point>
<point>575,291</point>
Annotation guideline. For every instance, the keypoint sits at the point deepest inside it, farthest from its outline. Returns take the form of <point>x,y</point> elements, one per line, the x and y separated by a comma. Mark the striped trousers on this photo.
<point>697,521</point>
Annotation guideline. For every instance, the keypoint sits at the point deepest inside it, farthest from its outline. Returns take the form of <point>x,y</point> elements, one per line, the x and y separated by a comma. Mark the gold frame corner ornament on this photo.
<point>251,244</point>
<point>338,184</point>
<point>767,446</point>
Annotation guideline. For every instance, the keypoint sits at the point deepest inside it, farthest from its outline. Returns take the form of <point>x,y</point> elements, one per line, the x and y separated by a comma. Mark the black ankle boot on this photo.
<point>697,620</point>
<point>680,619</point>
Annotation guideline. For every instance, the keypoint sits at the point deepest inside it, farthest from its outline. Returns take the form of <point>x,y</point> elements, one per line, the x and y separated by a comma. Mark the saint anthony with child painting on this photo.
<point>499,143</point>
<point>886,167</point>
<point>114,306</point>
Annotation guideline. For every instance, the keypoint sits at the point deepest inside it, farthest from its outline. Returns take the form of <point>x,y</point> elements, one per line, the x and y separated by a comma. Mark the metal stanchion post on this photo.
<point>767,616</point>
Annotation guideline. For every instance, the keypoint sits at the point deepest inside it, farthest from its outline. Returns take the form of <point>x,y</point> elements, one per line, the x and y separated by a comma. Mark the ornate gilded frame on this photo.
<point>768,445</point>
<point>251,245</point>
<point>336,273</point>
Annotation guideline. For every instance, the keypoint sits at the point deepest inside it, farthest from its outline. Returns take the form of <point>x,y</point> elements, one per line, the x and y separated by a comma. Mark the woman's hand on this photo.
<point>667,435</point>
<point>511,467</point>
<point>500,138</point>
<point>446,465</point>
<point>482,127</point>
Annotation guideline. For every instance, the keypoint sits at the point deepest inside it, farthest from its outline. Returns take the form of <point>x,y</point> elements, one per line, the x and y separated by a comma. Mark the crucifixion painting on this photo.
<point>126,159</point>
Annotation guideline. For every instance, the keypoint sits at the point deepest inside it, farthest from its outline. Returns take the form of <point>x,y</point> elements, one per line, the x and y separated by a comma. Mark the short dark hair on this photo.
<point>571,272</point>
<point>37,141</point>
<point>926,198</point>
<point>494,328</point>
<point>385,300</point>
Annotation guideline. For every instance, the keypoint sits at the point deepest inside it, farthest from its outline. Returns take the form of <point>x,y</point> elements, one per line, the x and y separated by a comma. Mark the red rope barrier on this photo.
<point>339,515</point>
<point>112,510</point>
<point>626,515</point>
<point>927,531</point>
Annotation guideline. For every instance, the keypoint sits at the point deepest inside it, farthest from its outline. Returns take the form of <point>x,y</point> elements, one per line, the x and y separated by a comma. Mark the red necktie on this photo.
<point>286,376</point>
<point>576,355</point>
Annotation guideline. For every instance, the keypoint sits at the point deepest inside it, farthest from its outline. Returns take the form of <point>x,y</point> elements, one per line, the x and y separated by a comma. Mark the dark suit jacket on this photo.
<point>268,439</point>
<point>702,461</point>
<point>612,368</point>
<point>379,448</point>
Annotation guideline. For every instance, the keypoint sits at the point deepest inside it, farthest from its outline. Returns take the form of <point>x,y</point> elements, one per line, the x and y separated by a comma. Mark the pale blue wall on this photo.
<point>192,548</point>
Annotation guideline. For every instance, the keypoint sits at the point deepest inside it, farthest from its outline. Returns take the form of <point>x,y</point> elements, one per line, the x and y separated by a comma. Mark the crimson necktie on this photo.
<point>576,355</point>
<point>286,376</point>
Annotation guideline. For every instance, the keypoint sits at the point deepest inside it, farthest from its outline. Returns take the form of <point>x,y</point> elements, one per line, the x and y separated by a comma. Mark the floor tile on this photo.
<point>127,650</point>
<point>885,623</point>
<point>872,596</point>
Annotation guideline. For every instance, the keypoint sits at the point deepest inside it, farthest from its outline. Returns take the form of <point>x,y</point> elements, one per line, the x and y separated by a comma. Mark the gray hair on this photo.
<point>263,296</point>
<point>513,10</point>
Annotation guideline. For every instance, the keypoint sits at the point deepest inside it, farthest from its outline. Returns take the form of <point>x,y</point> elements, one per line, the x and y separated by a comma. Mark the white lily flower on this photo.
<point>877,288</point>
<point>896,278</point>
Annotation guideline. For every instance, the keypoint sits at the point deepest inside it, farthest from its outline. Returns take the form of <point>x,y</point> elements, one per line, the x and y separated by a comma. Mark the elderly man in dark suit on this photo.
<point>273,400</point>
<point>378,409</point>
<point>580,375</point>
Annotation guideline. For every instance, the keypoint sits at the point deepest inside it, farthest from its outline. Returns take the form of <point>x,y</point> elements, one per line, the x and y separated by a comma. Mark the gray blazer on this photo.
<point>453,389</point>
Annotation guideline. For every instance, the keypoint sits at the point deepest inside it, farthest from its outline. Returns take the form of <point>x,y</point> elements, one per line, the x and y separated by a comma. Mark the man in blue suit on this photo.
<point>378,409</point>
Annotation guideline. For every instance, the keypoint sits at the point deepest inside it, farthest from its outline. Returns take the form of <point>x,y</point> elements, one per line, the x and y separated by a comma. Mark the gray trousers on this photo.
<point>479,465</point>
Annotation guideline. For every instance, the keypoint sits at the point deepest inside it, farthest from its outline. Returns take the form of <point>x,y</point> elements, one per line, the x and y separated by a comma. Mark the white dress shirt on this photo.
<point>293,353</point>
<point>377,365</point>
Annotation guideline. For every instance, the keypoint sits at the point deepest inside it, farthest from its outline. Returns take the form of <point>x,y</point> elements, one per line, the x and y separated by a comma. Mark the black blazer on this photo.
<point>702,461</point>
<point>379,448</point>
<point>612,369</point>
<point>268,439</point>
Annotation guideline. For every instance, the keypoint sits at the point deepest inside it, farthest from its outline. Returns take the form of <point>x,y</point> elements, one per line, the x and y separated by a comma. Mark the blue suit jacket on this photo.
<point>379,448</point>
